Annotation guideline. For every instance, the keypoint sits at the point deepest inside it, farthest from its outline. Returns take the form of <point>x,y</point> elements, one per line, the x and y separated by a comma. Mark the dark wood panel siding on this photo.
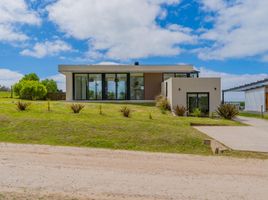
<point>152,84</point>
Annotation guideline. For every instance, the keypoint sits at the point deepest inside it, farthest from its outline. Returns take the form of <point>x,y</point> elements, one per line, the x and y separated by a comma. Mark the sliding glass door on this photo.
<point>95,86</point>
<point>108,86</point>
<point>80,86</point>
<point>116,86</point>
<point>198,100</point>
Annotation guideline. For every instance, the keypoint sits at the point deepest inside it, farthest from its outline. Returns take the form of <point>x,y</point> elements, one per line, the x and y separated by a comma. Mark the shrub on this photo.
<point>162,103</point>
<point>22,106</point>
<point>50,85</point>
<point>76,108</point>
<point>180,110</point>
<point>197,112</point>
<point>227,111</point>
<point>125,111</point>
<point>32,90</point>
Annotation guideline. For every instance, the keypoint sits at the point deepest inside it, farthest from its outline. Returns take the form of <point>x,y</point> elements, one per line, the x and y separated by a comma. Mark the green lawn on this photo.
<point>163,133</point>
<point>255,115</point>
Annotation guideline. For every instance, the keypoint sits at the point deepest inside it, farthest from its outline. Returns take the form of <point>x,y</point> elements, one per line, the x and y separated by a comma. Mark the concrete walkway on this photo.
<point>245,138</point>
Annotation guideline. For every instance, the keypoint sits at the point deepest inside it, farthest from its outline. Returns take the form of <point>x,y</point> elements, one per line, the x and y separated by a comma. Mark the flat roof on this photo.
<point>126,68</point>
<point>250,86</point>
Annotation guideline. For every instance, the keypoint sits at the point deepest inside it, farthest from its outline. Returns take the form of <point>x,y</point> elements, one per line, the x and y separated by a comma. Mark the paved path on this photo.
<point>245,138</point>
<point>45,172</point>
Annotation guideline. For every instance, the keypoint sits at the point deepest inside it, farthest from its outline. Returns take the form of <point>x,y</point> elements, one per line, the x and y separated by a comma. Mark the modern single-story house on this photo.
<point>179,83</point>
<point>256,95</point>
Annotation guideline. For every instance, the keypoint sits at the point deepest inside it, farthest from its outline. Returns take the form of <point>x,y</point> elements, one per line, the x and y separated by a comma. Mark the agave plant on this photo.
<point>76,108</point>
<point>125,111</point>
<point>227,111</point>
<point>22,106</point>
<point>180,110</point>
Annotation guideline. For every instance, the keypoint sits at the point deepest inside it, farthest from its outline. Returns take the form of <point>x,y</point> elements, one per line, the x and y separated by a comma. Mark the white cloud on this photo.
<point>8,77</point>
<point>232,80</point>
<point>47,48</point>
<point>12,14</point>
<point>119,29</point>
<point>240,29</point>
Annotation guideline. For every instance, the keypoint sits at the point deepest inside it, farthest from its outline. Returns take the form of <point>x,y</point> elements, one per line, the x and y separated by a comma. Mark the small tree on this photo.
<point>50,85</point>
<point>32,90</point>
<point>30,77</point>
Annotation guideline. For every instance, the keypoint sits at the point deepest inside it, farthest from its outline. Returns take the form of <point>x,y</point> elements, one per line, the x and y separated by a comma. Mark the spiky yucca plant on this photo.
<point>22,106</point>
<point>227,111</point>
<point>76,107</point>
<point>180,110</point>
<point>125,111</point>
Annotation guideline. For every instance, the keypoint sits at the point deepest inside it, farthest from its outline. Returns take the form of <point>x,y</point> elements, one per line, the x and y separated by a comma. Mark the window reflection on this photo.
<point>136,86</point>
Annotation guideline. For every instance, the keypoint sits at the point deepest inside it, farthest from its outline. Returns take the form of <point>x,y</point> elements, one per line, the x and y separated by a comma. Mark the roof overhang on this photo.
<point>126,68</point>
<point>250,86</point>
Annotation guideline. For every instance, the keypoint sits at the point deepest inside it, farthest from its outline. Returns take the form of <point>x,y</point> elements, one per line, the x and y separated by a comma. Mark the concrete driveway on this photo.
<point>244,138</point>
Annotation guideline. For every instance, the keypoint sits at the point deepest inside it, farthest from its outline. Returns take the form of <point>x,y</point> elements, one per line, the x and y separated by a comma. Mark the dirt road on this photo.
<point>35,171</point>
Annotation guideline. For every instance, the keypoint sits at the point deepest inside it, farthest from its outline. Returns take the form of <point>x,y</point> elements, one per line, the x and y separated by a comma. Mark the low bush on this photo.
<point>227,111</point>
<point>76,108</point>
<point>197,112</point>
<point>162,103</point>
<point>125,111</point>
<point>22,106</point>
<point>180,110</point>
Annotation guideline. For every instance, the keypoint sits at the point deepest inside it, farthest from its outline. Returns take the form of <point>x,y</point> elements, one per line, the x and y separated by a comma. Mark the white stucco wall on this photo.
<point>254,99</point>
<point>179,87</point>
<point>69,86</point>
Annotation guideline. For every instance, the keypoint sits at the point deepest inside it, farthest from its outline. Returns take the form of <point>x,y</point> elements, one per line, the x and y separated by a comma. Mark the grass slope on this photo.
<point>254,115</point>
<point>163,133</point>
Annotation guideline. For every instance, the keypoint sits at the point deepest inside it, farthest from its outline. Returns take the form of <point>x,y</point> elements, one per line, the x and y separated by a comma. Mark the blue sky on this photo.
<point>226,38</point>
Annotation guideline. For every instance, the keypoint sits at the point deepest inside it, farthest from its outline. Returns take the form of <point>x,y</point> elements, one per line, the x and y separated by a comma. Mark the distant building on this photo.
<point>256,95</point>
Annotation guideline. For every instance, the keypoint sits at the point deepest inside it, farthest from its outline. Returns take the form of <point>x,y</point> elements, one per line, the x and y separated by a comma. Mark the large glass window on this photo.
<point>110,80</point>
<point>121,89</point>
<point>136,86</point>
<point>198,100</point>
<point>180,75</point>
<point>81,86</point>
<point>95,86</point>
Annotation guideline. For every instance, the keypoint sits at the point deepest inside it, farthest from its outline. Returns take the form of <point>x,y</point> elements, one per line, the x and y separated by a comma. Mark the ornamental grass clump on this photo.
<point>76,108</point>
<point>162,103</point>
<point>22,106</point>
<point>180,110</point>
<point>125,111</point>
<point>227,111</point>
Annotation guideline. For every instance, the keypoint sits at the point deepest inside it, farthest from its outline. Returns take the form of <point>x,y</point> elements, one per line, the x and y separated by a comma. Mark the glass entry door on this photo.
<point>198,100</point>
<point>116,86</point>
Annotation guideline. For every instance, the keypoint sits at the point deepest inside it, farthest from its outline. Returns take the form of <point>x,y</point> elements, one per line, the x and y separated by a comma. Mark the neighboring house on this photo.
<point>256,95</point>
<point>179,83</point>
